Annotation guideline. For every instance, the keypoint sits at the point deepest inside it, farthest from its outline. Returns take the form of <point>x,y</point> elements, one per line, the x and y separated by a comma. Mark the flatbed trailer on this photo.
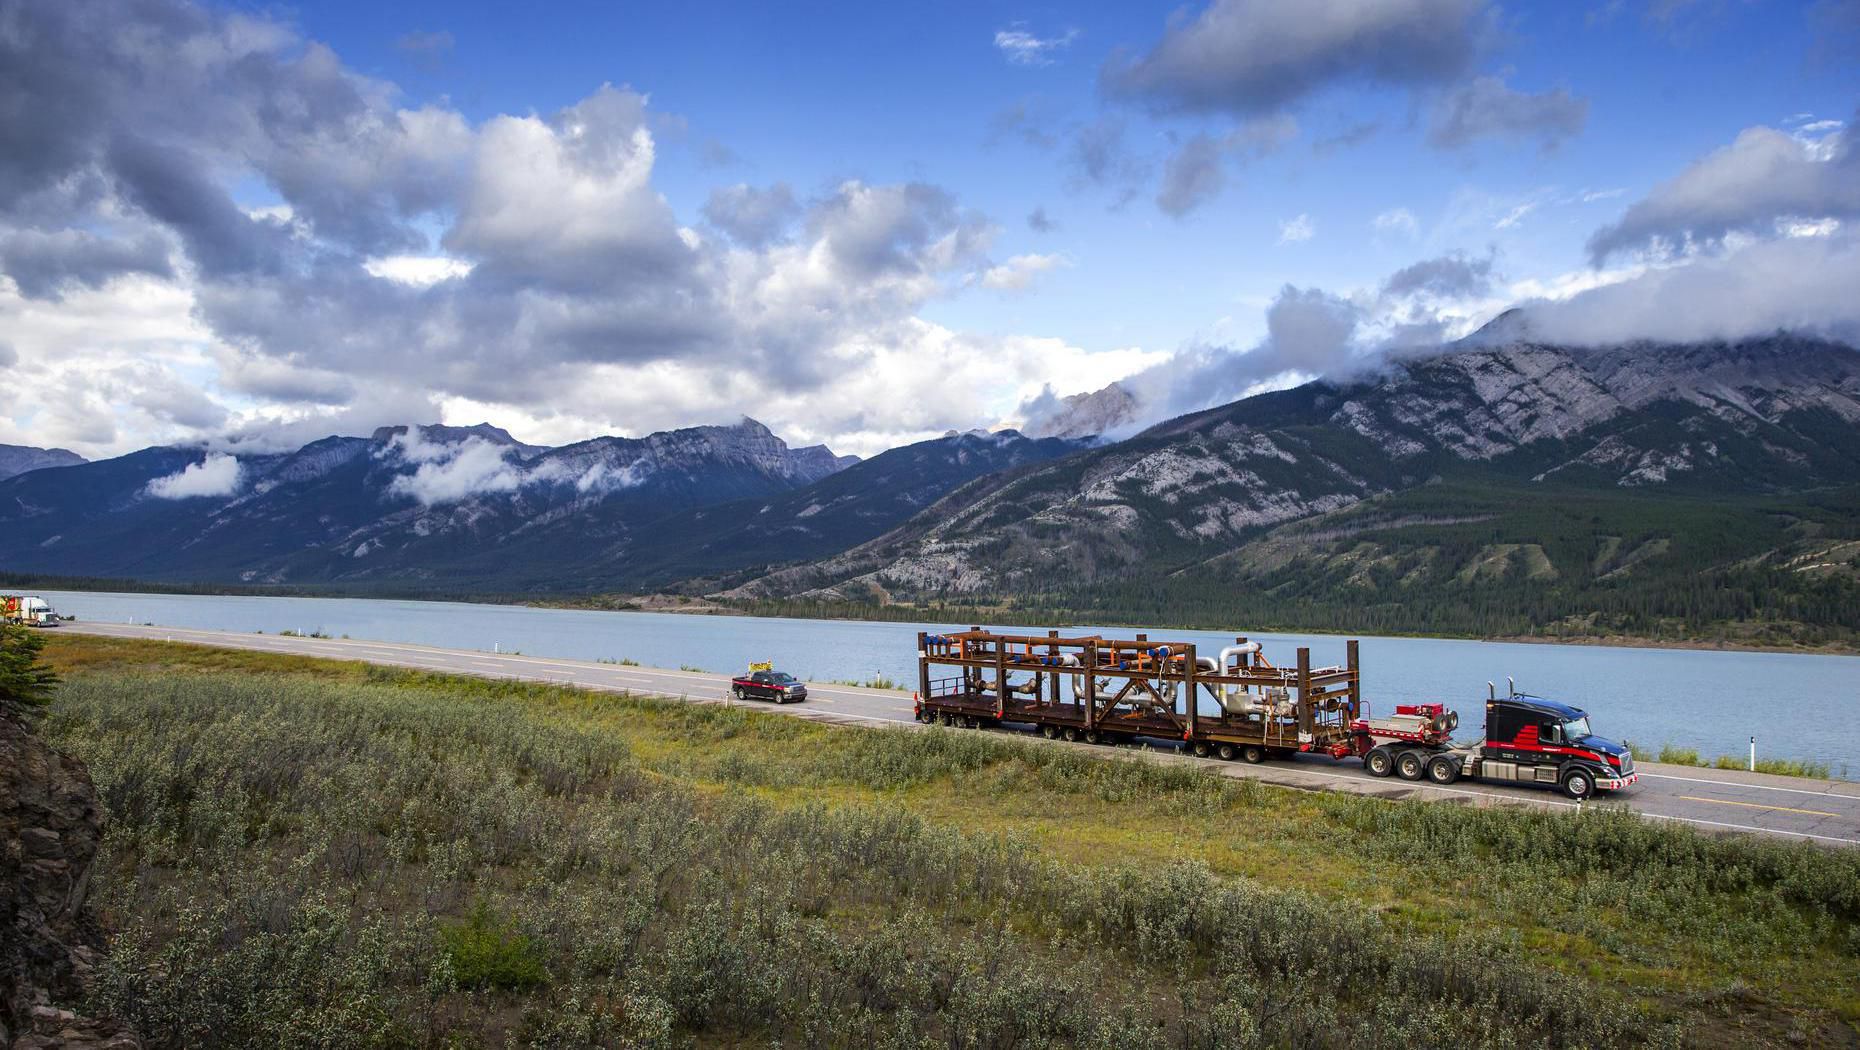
<point>1237,704</point>
<point>1230,704</point>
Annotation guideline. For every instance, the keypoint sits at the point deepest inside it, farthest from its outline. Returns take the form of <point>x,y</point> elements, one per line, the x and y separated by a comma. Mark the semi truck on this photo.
<point>28,610</point>
<point>1527,739</point>
<point>1236,704</point>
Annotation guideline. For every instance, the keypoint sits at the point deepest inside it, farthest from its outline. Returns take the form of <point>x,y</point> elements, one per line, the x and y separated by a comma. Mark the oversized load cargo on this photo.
<point>1238,704</point>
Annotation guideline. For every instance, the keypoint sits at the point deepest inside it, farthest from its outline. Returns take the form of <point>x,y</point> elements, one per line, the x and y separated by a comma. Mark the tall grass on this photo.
<point>299,862</point>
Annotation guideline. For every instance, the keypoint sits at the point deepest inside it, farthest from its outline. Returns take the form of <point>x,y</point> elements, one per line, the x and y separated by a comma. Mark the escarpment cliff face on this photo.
<point>50,826</point>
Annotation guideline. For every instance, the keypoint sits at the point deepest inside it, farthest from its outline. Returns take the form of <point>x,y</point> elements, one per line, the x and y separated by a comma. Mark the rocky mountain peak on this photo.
<point>1086,415</point>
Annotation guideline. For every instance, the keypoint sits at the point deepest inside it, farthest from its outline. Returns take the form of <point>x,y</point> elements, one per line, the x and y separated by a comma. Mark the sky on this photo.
<point>249,226</point>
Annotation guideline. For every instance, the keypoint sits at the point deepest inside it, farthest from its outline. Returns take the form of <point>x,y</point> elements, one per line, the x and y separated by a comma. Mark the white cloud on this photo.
<point>1397,220</point>
<point>1297,229</point>
<point>1019,272</point>
<point>217,475</point>
<point>1803,284</point>
<point>1023,48</point>
<point>417,270</point>
<point>1515,215</point>
<point>1764,177</point>
<point>448,473</point>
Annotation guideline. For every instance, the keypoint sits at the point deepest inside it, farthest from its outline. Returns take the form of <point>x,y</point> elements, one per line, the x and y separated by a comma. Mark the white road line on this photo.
<point>1748,827</point>
<point>1829,793</point>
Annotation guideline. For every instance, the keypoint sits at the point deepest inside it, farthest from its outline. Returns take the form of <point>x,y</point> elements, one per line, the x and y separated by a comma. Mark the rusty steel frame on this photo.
<point>1160,693</point>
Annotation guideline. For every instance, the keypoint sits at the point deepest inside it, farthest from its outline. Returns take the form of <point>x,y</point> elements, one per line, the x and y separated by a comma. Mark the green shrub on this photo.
<point>486,951</point>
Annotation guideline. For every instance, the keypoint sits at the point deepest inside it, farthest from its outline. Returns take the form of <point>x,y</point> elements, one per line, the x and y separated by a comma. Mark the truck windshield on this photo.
<point>1576,729</point>
<point>781,678</point>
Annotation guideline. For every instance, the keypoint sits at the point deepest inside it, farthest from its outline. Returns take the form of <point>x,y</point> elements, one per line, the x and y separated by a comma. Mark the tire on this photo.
<point>1092,736</point>
<point>1227,752</point>
<point>1409,766</point>
<point>1050,732</point>
<point>1253,753</point>
<point>949,720</point>
<point>1379,762</point>
<point>1442,770</point>
<point>1072,734</point>
<point>1201,749</point>
<point>1579,784</point>
<point>738,692</point>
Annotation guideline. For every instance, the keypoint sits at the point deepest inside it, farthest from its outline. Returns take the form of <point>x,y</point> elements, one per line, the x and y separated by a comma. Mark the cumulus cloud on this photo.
<point>1449,276</point>
<point>45,262</point>
<point>1486,107</point>
<point>750,215</point>
<point>1309,332</point>
<point>447,472</point>
<point>1023,48</point>
<point>1020,271</point>
<point>1802,284</point>
<point>1763,178</point>
<point>524,262</point>
<point>8,356</point>
<point>217,475</point>
<point>1250,57</point>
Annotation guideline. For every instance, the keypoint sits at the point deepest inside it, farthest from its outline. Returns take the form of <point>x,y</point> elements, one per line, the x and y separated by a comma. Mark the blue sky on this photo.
<point>813,94</point>
<point>445,215</point>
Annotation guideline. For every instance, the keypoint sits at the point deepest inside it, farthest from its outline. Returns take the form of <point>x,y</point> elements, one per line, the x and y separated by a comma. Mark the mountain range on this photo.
<point>1498,485</point>
<point>18,459</point>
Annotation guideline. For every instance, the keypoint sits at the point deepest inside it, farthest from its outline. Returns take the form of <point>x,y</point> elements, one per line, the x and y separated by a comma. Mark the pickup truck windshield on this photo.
<point>781,678</point>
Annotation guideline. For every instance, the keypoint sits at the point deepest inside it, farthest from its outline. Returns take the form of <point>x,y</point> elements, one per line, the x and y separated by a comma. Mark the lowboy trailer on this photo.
<point>1237,704</point>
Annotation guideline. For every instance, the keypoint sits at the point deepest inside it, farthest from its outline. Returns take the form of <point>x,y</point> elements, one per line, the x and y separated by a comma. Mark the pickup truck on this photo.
<point>775,686</point>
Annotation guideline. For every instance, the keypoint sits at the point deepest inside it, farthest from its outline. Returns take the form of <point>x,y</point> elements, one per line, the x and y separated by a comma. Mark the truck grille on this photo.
<point>1627,764</point>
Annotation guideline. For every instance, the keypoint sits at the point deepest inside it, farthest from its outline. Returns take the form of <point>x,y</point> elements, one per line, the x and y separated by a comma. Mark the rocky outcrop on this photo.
<point>50,826</point>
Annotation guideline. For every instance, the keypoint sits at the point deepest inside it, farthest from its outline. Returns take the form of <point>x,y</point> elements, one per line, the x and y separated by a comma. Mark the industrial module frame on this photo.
<point>1098,689</point>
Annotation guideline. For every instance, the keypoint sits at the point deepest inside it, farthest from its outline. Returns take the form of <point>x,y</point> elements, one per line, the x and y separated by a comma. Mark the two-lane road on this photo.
<point>1825,811</point>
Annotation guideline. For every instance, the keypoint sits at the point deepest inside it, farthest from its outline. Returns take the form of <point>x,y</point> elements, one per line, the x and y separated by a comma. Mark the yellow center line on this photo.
<point>1758,805</point>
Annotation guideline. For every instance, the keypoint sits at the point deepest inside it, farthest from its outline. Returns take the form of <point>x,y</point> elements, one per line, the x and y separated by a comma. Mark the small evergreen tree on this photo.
<point>24,681</point>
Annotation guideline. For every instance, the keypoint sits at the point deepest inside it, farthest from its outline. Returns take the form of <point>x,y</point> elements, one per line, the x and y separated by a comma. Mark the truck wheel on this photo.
<point>1578,784</point>
<point>1253,753</point>
<point>1072,734</point>
<point>949,720</point>
<point>1379,762</point>
<point>1092,736</point>
<point>1050,732</point>
<point>1442,770</point>
<point>1410,766</point>
<point>1227,752</point>
<point>738,691</point>
<point>1201,749</point>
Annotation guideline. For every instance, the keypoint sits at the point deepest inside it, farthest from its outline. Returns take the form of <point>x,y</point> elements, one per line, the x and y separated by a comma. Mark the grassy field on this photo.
<point>309,853</point>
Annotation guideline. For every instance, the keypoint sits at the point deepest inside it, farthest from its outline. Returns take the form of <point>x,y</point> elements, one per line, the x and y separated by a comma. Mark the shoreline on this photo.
<point>693,606</point>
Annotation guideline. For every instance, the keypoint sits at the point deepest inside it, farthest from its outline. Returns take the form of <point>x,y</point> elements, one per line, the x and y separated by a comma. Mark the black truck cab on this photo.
<point>1542,741</point>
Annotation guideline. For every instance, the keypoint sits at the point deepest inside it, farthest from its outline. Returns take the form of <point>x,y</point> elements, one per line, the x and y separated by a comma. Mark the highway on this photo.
<point>1824,811</point>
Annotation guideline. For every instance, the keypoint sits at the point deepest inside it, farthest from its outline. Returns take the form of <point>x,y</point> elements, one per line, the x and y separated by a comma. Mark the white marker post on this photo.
<point>1753,754</point>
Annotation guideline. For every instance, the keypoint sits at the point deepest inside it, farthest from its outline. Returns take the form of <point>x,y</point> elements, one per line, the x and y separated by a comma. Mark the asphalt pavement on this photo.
<point>1825,811</point>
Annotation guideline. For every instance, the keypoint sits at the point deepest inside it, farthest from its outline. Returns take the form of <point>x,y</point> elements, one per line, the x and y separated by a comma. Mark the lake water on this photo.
<point>1796,705</point>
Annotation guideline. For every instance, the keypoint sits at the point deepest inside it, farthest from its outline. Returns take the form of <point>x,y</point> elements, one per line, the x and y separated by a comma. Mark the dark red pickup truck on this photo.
<point>769,685</point>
